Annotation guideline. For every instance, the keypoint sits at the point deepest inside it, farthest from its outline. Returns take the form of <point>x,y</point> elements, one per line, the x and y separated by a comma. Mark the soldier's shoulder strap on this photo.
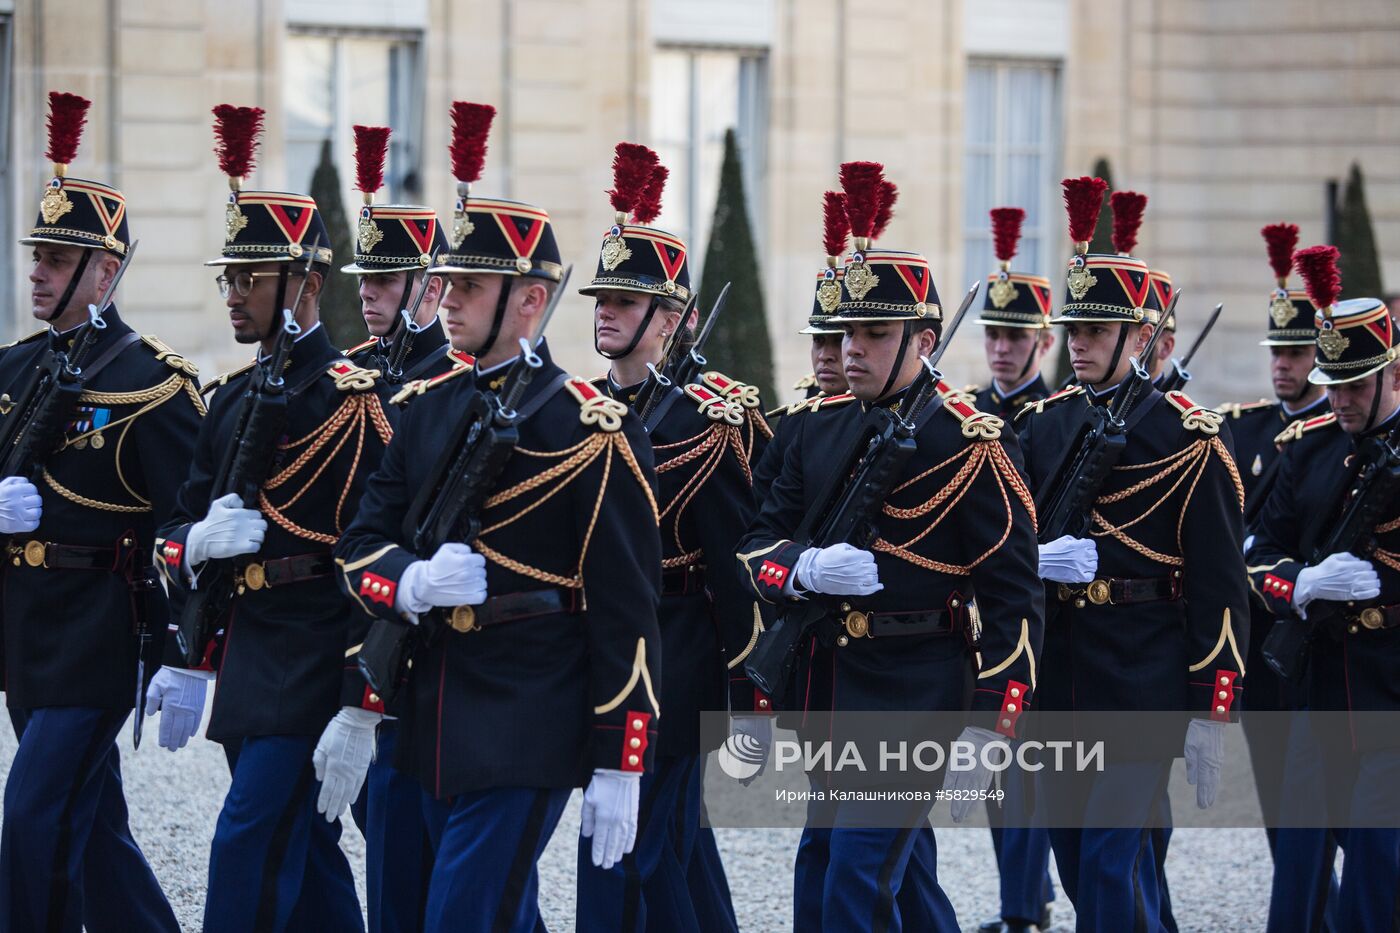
<point>714,405</point>
<point>225,379</point>
<point>27,338</point>
<point>732,389</point>
<point>815,403</point>
<point>1297,429</point>
<point>806,382</point>
<point>971,388</point>
<point>976,424</point>
<point>361,347</point>
<point>351,378</point>
<point>597,409</point>
<point>1195,417</point>
<point>1041,405</point>
<point>462,362</point>
<point>1237,410</point>
<point>169,357</point>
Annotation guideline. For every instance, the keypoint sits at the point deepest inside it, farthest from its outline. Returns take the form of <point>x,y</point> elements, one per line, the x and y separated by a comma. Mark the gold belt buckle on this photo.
<point>255,576</point>
<point>462,619</point>
<point>1372,618</point>
<point>1099,592</point>
<point>35,553</point>
<point>857,624</point>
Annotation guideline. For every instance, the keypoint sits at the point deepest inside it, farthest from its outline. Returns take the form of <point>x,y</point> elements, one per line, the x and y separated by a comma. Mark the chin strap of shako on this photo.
<point>636,337</point>
<point>1117,352</point>
<point>898,358</point>
<point>67,295</point>
<point>501,300</point>
<point>279,303</point>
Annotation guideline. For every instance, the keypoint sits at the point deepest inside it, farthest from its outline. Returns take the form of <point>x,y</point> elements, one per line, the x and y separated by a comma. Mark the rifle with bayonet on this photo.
<point>1180,375</point>
<point>244,467</point>
<point>393,364</point>
<point>448,505</point>
<point>1369,501</point>
<point>45,406</point>
<point>846,509</point>
<point>1065,504</point>
<point>667,384</point>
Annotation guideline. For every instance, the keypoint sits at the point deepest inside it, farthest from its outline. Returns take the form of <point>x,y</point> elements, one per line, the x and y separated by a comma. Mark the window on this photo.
<point>1012,124</point>
<point>335,80</point>
<point>698,94</point>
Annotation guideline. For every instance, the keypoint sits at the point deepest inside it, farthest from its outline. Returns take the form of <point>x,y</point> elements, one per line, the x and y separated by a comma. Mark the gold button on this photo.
<point>374,587</point>
<point>954,603</point>
<point>374,698</point>
<point>522,265</point>
<point>1080,603</point>
<point>635,742</point>
<point>1223,695</point>
<point>762,704</point>
<point>1006,724</point>
<point>1011,707</point>
<point>632,760</point>
<point>636,724</point>
<point>1224,681</point>
<point>842,641</point>
<point>845,607</point>
<point>1353,628</point>
<point>1220,709</point>
<point>1015,691</point>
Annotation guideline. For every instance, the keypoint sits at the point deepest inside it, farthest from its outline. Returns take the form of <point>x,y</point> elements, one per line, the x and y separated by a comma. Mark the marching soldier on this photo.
<point>546,677</point>
<point>704,438</point>
<point>83,616</point>
<point>283,672</point>
<point>394,246</point>
<point>1161,567</point>
<point>1350,600</point>
<point>902,638</point>
<point>1016,327</point>
<point>1016,338</point>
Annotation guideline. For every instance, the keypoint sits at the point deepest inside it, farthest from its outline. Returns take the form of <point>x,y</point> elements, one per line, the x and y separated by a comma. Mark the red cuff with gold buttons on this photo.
<point>770,570</point>
<point>744,697</point>
<point>1013,704</point>
<point>1223,695</point>
<point>634,742</point>
<point>377,589</point>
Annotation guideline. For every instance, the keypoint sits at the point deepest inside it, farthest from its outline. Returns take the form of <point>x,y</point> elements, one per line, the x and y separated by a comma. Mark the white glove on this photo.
<point>178,695</point>
<point>1069,560</point>
<point>610,814</point>
<point>975,779</point>
<point>1339,578</point>
<point>839,570</point>
<point>20,505</point>
<point>227,531</point>
<point>454,576</point>
<point>1248,543</point>
<point>760,730</point>
<point>1205,753</point>
<point>342,759</point>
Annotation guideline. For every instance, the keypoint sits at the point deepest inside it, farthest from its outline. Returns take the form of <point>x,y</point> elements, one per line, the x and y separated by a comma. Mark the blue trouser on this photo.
<point>1108,868</point>
<point>484,877</point>
<point>398,851</point>
<point>275,863</point>
<point>704,870</point>
<point>648,889</point>
<point>1022,850</point>
<point>1305,890</point>
<point>854,877</point>
<point>67,857</point>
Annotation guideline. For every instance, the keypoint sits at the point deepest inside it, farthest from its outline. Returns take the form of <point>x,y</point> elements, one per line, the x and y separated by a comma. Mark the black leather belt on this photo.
<point>53,556</point>
<point>682,581</point>
<point>513,607</point>
<point>1119,592</point>
<point>859,624</point>
<point>280,571</point>
<point>1373,618</point>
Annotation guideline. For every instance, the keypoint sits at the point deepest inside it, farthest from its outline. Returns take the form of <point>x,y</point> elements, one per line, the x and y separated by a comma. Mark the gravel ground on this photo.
<point>1220,877</point>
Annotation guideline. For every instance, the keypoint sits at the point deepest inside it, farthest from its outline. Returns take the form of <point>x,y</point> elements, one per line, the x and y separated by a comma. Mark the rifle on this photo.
<point>393,365</point>
<point>846,509</point>
<point>1367,503</point>
<point>659,382</point>
<point>1179,375</point>
<point>1063,507</point>
<point>448,505</point>
<point>46,404</point>
<point>244,467</point>
<point>683,372</point>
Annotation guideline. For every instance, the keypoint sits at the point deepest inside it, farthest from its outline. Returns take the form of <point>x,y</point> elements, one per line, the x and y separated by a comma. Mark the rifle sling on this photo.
<point>533,405</point>
<point>111,353</point>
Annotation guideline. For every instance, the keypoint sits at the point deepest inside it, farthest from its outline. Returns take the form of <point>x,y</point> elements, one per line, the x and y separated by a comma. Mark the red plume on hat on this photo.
<point>633,166</point>
<point>1281,240</point>
<point>887,195</point>
<point>471,125</point>
<point>236,132</point>
<point>67,115</point>
<point>648,206</point>
<point>371,146</point>
<point>836,226</point>
<point>1083,201</point>
<point>1128,208</point>
<point>861,182</point>
<point>1006,232</point>
<point>1318,267</point>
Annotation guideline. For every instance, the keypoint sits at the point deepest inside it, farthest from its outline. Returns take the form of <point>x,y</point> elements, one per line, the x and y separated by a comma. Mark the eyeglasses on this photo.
<point>243,281</point>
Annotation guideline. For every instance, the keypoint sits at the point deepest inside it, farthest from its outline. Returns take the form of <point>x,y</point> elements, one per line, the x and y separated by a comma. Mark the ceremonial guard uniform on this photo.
<point>704,442</point>
<point>908,646</point>
<point>1021,301</point>
<point>283,670</point>
<point>83,616</point>
<point>393,239</point>
<point>1347,768</point>
<point>1167,533</point>
<point>555,676</point>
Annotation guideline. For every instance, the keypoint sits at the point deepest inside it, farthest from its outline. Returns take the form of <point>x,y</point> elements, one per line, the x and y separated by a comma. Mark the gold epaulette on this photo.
<point>805,383</point>
<point>596,408</point>
<point>26,338</point>
<point>1303,426</point>
<point>732,389</point>
<point>1236,409</point>
<point>715,406</point>
<point>971,388</point>
<point>814,403</point>
<point>465,362</point>
<point>169,357</point>
<point>1039,406</point>
<point>979,425</point>
<point>225,378</point>
<point>1195,417</point>
<point>360,347</point>
<point>351,378</point>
